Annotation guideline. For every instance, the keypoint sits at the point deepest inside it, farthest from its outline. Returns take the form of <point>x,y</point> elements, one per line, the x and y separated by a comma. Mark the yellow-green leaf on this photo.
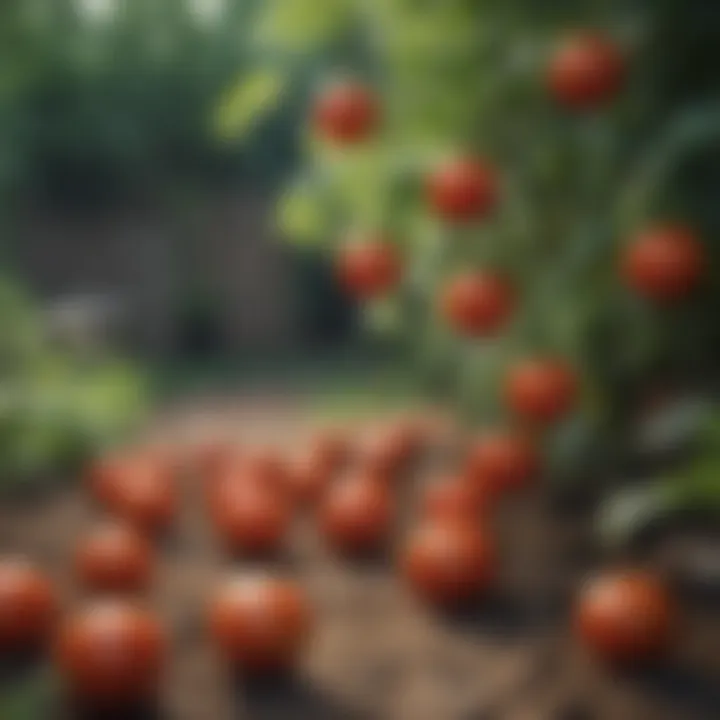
<point>247,101</point>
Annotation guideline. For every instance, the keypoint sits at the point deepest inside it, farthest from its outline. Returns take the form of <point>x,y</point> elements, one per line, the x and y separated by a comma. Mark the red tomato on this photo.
<point>356,515</point>
<point>346,112</point>
<point>210,459</point>
<point>463,189</point>
<point>309,477</point>
<point>664,263</point>
<point>112,653</point>
<point>28,606</point>
<point>331,448</point>
<point>448,562</point>
<point>586,71</point>
<point>144,494</point>
<point>477,303</point>
<point>260,624</point>
<point>264,466</point>
<point>251,517</point>
<point>502,462</point>
<point>114,558</point>
<point>453,499</point>
<point>625,616</point>
<point>389,452</point>
<point>368,268</point>
<point>541,390</point>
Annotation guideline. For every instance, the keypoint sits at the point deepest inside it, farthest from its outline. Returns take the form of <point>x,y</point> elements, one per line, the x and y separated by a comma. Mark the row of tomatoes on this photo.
<point>114,650</point>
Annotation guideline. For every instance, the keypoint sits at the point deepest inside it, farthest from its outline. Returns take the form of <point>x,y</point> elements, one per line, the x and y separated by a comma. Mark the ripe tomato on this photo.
<point>211,458</point>
<point>346,112</point>
<point>144,494</point>
<point>477,303</point>
<point>28,606</point>
<point>501,462</point>
<point>260,624</point>
<point>448,562</point>
<point>114,558</point>
<point>331,448</point>
<point>265,466</point>
<point>390,450</point>
<point>309,477</point>
<point>586,71</point>
<point>368,268</point>
<point>463,189</point>
<point>250,517</point>
<point>356,514</point>
<point>625,616</point>
<point>455,498</point>
<point>111,653</point>
<point>664,263</point>
<point>541,390</point>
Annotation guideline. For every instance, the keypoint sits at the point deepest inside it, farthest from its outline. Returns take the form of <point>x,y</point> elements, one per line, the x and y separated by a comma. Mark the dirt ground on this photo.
<point>376,653</point>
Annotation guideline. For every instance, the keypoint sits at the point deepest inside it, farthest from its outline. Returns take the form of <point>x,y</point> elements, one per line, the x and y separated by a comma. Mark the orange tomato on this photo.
<point>368,267</point>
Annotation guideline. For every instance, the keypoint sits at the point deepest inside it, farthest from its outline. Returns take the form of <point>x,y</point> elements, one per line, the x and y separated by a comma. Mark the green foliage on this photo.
<point>55,409</point>
<point>468,76</point>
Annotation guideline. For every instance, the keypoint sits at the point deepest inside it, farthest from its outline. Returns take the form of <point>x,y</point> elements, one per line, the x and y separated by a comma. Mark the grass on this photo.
<point>343,382</point>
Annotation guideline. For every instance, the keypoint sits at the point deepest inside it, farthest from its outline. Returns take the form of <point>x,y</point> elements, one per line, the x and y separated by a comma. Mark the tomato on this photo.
<point>453,498</point>
<point>502,461</point>
<point>541,390</point>
<point>331,448</point>
<point>625,616</point>
<point>28,606</point>
<point>389,452</point>
<point>368,268</point>
<point>111,653</point>
<point>309,477</point>
<point>264,465</point>
<point>250,517</point>
<point>144,494</point>
<point>448,562</point>
<point>260,624</point>
<point>664,263</point>
<point>477,303</point>
<point>356,514</point>
<point>463,189</point>
<point>114,558</point>
<point>346,112</point>
<point>586,71</point>
<point>211,458</point>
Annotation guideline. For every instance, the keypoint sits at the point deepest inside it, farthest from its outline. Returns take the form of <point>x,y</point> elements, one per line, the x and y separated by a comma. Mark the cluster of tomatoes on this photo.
<point>663,263</point>
<point>113,650</point>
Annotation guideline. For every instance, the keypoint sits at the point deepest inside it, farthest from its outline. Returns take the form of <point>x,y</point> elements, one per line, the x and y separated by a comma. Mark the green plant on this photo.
<point>499,151</point>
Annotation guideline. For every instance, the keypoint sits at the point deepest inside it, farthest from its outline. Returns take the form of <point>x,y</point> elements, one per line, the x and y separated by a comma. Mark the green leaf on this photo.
<point>302,214</point>
<point>631,511</point>
<point>247,102</point>
<point>300,26</point>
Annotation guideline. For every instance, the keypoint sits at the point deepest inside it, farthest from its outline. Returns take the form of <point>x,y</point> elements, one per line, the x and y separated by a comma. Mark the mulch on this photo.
<point>378,654</point>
